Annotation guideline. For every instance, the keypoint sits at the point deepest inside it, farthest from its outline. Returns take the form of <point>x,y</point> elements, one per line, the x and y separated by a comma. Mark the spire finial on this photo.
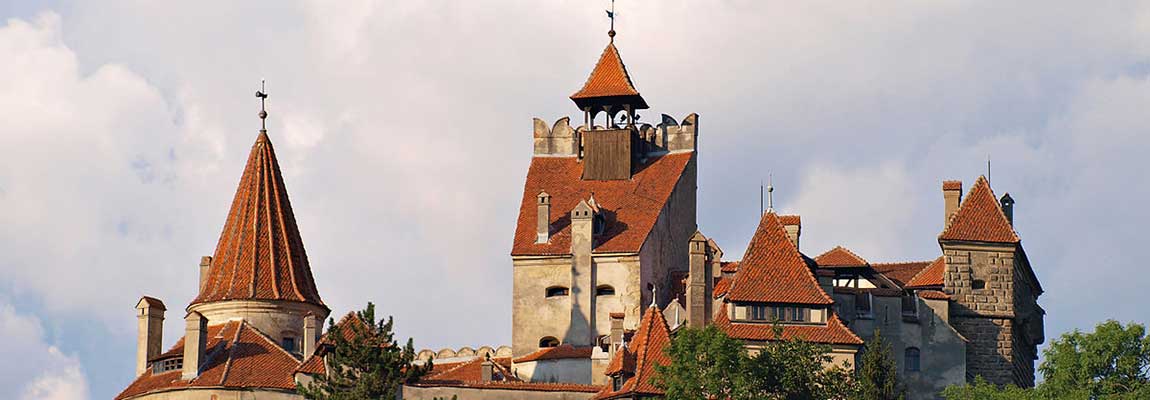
<point>770,192</point>
<point>263,112</point>
<point>611,15</point>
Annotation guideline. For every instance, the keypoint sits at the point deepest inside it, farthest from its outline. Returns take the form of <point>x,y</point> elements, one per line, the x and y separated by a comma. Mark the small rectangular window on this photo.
<point>909,304</point>
<point>862,304</point>
<point>288,344</point>
<point>759,313</point>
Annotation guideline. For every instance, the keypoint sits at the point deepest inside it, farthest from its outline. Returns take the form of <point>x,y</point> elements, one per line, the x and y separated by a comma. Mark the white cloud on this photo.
<point>34,369</point>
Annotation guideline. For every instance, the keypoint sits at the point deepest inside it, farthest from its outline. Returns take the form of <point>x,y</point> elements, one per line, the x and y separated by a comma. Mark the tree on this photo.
<point>364,361</point>
<point>707,364</point>
<point>878,372</point>
<point>1113,360</point>
<point>983,390</point>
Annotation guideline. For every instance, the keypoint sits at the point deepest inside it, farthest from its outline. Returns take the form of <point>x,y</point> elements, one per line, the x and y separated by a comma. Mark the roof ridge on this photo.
<point>965,213</point>
<point>229,347</point>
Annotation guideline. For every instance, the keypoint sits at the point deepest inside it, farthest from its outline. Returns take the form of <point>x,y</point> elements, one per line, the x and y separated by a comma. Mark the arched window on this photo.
<point>548,342</point>
<point>556,291</point>
<point>605,290</point>
<point>911,359</point>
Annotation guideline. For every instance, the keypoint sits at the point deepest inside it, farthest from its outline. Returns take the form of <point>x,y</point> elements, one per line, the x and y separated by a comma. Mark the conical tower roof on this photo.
<point>609,83</point>
<point>260,255</point>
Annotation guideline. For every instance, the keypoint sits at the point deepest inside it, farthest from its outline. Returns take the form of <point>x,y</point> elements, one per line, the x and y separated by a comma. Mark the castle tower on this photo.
<point>994,289</point>
<point>260,271</point>
<point>608,209</point>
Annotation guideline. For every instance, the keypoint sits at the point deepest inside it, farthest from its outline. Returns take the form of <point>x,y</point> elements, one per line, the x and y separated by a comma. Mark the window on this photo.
<point>605,343</point>
<point>170,364</point>
<point>798,314</point>
<point>548,342</point>
<point>288,344</point>
<point>862,304</point>
<point>779,313</point>
<point>759,313</point>
<point>605,290</point>
<point>909,304</point>
<point>978,284</point>
<point>617,382</point>
<point>911,359</point>
<point>556,291</point>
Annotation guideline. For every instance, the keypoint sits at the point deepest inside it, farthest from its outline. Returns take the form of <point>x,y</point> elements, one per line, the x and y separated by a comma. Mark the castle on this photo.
<point>608,262</point>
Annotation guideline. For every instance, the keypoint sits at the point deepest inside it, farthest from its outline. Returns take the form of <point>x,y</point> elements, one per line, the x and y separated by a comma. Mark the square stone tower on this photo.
<point>994,288</point>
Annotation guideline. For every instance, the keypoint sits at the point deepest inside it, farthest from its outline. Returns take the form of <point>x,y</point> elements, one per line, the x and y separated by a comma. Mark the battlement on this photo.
<point>669,136</point>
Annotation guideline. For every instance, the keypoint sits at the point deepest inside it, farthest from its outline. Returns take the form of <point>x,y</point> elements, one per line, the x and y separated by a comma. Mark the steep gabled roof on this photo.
<point>631,206</point>
<point>834,332</point>
<point>840,257</point>
<point>260,254</point>
<point>648,346</point>
<point>773,271</point>
<point>900,272</point>
<point>238,356</point>
<point>608,79</point>
<point>979,218</point>
<point>930,276</point>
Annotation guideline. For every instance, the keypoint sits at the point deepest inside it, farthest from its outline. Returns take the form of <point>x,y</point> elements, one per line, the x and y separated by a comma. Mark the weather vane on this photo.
<point>611,15</point>
<point>263,113</point>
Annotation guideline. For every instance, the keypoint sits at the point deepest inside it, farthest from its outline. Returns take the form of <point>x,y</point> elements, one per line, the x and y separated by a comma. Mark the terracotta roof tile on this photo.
<point>932,275</point>
<point>469,371</point>
<point>238,356</point>
<point>790,220</point>
<point>648,345</point>
<point>951,185</point>
<point>773,271</point>
<point>980,218</point>
<point>557,352</point>
<point>933,295</point>
<point>632,205</point>
<point>260,254</point>
<point>834,332</point>
<point>609,78</point>
<point>729,266</point>
<point>840,257</point>
<point>722,287</point>
<point>513,385</point>
<point>900,272</point>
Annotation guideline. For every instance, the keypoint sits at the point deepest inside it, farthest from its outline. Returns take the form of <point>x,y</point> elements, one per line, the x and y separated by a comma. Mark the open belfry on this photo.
<point>608,263</point>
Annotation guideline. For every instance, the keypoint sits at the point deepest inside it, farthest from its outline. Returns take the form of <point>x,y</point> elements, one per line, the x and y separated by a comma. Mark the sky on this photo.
<point>403,129</point>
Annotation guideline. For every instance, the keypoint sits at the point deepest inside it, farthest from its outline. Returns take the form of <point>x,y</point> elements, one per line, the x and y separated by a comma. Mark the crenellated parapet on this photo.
<point>668,136</point>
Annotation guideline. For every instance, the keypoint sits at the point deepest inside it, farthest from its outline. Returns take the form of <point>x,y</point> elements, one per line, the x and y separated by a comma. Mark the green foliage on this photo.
<point>706,363</point>
<point>1113,360</point>
<point>1111,363</point>
<point>878,372</point>
<point>982,390</point>
<point>364,361</point>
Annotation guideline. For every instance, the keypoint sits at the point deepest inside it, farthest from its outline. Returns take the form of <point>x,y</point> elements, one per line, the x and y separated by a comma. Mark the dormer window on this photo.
<point>548,342</point>
<point>557,291</point>
<point>617,382</point>
<point>598,224</point>
<point>288,343</point>
<point>171,364</point>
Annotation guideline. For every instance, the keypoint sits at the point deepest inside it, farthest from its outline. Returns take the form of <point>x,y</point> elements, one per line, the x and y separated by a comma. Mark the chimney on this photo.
<point>1007,203</point>
<point>952,197</point>
<point>581,332</point>
<point>149,336</point>
<point>195,344</point>
<point>487,369</point>
<point>205,264</point>
<point>698,277</point>
<point>616,332</point>
<point>309,334</point>
<point>793,225</point>
<point>543,217</point>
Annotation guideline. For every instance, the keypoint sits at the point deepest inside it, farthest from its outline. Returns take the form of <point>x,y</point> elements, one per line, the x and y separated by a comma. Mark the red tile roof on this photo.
<point>900,272</point>
<point>557,352</point>
<point>721,287</point>
<point>773,271</point>
<point>790,220</point>
<point>840,257</point>
<point>729,266</point>
<point>631,206</point>
<point>609,78</point>
<point>980,218</point>
<point>951,185</point>
<point>932,275</point>
<point>260,254</point>
<point>933,295</point>
<point>834,332</point>
<point>648,345</point>
<point>470,371</point>
<point>238,356</point>
<point>513,385</point>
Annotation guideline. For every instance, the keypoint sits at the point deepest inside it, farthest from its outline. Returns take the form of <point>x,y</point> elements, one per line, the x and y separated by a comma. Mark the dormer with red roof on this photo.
<point>775,284</point>
<point>633,368</point>
<point>618,215</point>
<point>995,292</point>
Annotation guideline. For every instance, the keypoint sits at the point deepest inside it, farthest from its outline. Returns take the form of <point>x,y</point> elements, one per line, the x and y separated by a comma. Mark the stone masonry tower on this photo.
<point>608,211</point>
<point>995,291</point>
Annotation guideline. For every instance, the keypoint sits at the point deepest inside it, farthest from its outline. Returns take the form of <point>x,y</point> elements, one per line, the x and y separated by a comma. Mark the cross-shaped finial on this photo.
<point>263,113</point>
